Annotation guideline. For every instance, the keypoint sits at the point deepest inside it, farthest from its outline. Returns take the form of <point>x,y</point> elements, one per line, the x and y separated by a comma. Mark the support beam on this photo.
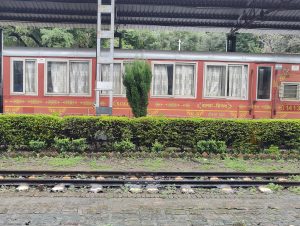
<point>1,70</point>
<point>105,60</point>
<point>263,4</point>
<point>231,43</point>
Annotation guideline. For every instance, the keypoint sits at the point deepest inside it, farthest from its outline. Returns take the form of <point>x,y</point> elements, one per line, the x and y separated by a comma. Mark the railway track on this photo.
<point>143,179</point>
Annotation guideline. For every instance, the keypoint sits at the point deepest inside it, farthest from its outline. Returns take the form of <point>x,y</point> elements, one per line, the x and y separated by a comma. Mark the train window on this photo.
<point>24,78</point>
<point>57,76</point>
<point>79,78</point>
<point>290,91</point>
<point>176,80</point>
<point>215,81</point>
<point>68,77</point>
<point>163,79</point>
<point>264,79</point>
<point>184,80</point>
<point>226,81</point>
<point>18,80</point>
<point>118,87</point>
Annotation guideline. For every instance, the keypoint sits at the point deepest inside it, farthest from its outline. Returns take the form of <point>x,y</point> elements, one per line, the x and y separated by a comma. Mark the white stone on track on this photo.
<point>23,187</point>
<point>152,189</point>
<point>264,189</point>
<point>96,188</point>
<point>187,189</point>
<point>135,188</point>
<point>58,188</point>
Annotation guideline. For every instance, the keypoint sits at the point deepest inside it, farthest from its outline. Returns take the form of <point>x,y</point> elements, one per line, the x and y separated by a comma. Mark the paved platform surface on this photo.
<point>94,210</point>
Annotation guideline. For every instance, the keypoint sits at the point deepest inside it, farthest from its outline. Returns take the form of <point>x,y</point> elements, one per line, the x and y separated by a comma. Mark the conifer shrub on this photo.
<point>137,81</point>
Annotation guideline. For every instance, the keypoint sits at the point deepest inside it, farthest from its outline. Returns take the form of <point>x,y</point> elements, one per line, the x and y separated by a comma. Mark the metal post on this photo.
<point>111,71</point>
<point>105,59</point>
<point>231,42</point>
<point>1,70</point>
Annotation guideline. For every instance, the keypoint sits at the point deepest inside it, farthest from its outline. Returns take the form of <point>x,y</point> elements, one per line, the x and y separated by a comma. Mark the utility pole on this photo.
<point>1,70</point>
<point>179,44</point>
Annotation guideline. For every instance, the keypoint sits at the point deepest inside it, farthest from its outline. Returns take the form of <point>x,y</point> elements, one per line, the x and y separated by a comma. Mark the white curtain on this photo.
<point>30,76</point>
<point>215,81</point>
<point>57,77</point>
<point>237,81</point>
<point>118,87</point>
<point>184,80</point>
<point>160,80</point>
<point>79,77</point>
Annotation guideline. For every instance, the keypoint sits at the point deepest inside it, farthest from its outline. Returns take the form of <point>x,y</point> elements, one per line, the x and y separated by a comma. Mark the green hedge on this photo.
<point>181,133</point>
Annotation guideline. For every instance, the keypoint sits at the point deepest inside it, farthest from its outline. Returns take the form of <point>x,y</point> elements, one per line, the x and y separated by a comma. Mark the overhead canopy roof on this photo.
<point>262,16</point>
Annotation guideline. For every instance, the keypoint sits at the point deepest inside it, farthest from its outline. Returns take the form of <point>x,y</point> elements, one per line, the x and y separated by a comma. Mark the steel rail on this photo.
<point>119,183</point>
<point>146,173</point>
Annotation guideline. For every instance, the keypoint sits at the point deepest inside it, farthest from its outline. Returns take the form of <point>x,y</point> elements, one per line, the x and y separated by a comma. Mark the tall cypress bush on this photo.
<point>137,81</point>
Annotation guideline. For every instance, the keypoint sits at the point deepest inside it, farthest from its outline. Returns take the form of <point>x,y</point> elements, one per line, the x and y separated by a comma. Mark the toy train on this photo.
<point>184,84</point>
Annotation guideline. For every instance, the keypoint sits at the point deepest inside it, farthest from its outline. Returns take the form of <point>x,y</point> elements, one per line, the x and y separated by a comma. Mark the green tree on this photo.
<point>137,81</point>
<point>248,43</point>
<point>57,38</point>
<point>21,36</point>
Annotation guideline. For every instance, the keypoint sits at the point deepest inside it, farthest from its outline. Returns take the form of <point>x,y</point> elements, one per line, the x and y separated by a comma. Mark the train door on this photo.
<point>264,97</point>
<point>1,71</point>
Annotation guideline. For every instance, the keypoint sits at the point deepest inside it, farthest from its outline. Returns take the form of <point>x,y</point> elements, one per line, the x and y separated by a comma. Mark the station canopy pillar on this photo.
<point>231,42</point>
<point>1,69</point>
<point>104,82</point>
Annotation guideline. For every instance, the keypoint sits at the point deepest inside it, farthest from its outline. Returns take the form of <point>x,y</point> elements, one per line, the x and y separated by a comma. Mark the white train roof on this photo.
<point>153,55</point>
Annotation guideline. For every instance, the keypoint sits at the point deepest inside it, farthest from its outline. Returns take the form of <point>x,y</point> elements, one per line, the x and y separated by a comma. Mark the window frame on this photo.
<point>195,64</point>
<point>298,91</point>
<point>271,84</point>
<point>226,83</point>
<point>68,61</point>
<point>122,78</point>
<point>24,76</point>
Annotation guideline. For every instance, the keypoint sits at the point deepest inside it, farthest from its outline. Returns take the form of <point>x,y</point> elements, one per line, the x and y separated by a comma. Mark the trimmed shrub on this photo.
<point>21,129</point>
<point>63,145</point>
<point>273,150</point>
<point>254,135</point>
<point>79,145</point>
<point>67,145</point>
<point>157,147</point>
<point>36,145</point>
<point>124,145</point>
<point>213,146</point>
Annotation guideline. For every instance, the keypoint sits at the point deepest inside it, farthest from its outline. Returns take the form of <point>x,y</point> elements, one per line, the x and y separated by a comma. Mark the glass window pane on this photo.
<point>30,76</point>
<point>57,77</point>
<point>18,76</point>
<point>163,79</point>
<point>184,80</point>
<point>117,83</point>
<point>79,78</point>
<point>290,91</point>
<point>215,81</point>
<point>237,83</point>
<point>264,83</point>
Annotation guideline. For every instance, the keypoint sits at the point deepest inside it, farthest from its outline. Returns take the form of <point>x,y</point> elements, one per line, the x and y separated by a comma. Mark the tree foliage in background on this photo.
<point>57,38</point>
<point>151,40</point>
<point>137,81</point>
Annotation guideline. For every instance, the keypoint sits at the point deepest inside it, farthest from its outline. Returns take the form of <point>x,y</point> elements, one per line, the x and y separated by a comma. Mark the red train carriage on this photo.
<point>185,84</point>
